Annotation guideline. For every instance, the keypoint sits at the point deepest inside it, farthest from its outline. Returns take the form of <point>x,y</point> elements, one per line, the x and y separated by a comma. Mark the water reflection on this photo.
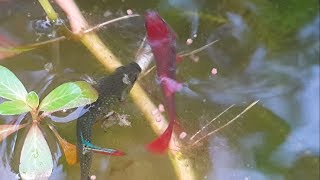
<point>230,164</point>
<point>57,172</point>
<point>7,172</point>
<point>304,138</point>
<point>286,83</point>
<point>310,31</point>
<point>239,25</point>
<point>190,8</point>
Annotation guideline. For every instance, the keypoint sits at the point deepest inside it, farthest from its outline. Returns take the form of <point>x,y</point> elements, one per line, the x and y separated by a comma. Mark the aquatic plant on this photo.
<point>36,158</point>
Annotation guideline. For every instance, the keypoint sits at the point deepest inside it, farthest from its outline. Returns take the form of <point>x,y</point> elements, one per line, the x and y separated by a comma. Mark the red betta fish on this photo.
<point>162,41</point>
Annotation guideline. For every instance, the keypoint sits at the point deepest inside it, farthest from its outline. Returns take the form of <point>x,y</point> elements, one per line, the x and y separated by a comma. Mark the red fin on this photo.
<point>119,153</point>
<point>96,149</point>
<point>116,153</point>
<point>160,145</point>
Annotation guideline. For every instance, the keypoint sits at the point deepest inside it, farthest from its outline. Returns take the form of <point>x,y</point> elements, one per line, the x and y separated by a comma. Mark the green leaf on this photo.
<point>36,159</point>
<point>10,86</point>
<point>69,95</point>
<point>14,107</point>
<point>33,99</point>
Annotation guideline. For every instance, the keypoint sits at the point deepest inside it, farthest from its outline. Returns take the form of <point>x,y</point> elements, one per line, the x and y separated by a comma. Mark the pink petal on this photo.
<point>189,41</point>
<point>161,108</point>
<point>214,71</point>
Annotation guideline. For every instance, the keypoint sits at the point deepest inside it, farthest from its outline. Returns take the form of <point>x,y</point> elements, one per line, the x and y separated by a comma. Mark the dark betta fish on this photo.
<point>111,89</point>
<point>162,41</point>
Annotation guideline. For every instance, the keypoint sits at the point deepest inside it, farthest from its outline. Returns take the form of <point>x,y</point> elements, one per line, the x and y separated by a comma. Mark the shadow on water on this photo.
<point>267,51</point>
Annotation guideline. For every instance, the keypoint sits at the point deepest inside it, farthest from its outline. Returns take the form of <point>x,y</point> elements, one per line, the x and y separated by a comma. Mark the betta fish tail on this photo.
<point>161,144</point>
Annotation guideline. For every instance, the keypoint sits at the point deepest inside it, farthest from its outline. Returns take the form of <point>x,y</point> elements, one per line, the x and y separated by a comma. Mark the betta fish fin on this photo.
<point>87,146</point>
<point>161,144</point>
<point>171,85</point>
<point>186,90</point>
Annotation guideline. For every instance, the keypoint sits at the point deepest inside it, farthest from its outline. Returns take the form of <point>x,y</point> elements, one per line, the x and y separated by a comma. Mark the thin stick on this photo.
<point>29,47</point>
<point>198,50</point>
<point>143,43</point>
<point>232,120</point>
<point>109,22</point>
<point>147,72</point>
<point>211,121</point>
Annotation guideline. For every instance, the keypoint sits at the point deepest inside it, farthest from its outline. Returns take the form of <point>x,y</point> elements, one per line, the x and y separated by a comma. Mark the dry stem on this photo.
<point>211,122</point>
<point>225,125</point>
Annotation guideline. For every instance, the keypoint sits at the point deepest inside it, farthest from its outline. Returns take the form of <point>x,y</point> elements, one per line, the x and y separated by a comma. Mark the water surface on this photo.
<point>267,51</point>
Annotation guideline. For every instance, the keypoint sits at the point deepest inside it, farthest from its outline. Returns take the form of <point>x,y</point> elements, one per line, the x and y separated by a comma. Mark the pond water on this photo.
<point>267,51</point>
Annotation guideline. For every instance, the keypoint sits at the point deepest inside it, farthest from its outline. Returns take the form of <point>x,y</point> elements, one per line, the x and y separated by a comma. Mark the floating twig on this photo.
<point>109,22</point>
<point>198,50</point>
<point>211,122</point>
<point>148,71</point>
<point>29,47</point>
<point>232,120</point>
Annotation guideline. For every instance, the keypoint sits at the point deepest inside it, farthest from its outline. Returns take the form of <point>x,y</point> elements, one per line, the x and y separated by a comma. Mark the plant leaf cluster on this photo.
<point>36,159</point>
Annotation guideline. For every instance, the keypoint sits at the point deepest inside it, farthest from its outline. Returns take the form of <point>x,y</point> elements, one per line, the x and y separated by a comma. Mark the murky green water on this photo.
<point>267,51</point>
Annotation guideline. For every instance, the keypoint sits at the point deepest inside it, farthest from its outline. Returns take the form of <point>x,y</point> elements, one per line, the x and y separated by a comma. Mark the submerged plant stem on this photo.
<point>52,15</point>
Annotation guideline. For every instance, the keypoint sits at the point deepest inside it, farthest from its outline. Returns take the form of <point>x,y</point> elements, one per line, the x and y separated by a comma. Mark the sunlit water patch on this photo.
<point>237,163</point>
